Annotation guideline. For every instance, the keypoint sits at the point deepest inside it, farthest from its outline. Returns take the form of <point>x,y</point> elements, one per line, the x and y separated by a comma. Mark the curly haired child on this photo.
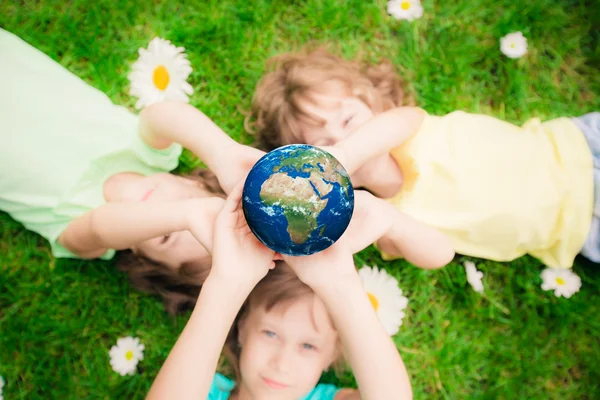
<point>498,190</point>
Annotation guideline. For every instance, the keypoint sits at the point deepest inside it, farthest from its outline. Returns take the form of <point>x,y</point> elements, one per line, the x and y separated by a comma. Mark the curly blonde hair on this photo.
<point>291,78</point>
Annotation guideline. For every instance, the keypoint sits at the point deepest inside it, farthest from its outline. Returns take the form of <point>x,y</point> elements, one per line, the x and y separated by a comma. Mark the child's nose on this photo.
<point>283,360</point>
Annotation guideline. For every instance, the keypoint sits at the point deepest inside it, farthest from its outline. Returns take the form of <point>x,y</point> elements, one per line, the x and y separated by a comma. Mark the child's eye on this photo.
<point>270,334</point>
<point>347,120</point>
<point>308,346</point>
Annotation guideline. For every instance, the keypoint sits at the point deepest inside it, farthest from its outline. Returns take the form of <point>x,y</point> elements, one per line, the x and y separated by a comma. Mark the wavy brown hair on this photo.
<point>291,78</point>
<point>279,287</point>
<point>178,288</point>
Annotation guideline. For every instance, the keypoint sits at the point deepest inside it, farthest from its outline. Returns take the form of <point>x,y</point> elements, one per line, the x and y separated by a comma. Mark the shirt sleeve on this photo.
<point>163,159</point>
<point>221,388</point>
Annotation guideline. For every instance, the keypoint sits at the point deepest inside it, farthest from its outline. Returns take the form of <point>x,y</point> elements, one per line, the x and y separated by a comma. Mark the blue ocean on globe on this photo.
<point>298,200</point>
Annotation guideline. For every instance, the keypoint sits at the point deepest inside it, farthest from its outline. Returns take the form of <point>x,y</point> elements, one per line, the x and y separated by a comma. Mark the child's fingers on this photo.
<point>235,197</point>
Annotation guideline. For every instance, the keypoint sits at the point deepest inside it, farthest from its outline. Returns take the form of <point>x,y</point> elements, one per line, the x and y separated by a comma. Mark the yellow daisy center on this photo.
<point>560,281</point>
<point>405,5</point>
<point>160,77</point>
<point>374,301</point>
<point>129,355</point>
<point>512,45</point>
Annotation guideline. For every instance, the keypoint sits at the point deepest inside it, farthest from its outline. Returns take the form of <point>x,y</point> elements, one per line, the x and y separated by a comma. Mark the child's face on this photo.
<point>341,115</point>
<point>178,247</point>
<point>285,351</point>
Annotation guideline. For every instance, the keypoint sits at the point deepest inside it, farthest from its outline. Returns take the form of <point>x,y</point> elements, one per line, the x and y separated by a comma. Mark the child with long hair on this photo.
<point>497,190</point>
<point>296,320</point>
<point>92,178</point>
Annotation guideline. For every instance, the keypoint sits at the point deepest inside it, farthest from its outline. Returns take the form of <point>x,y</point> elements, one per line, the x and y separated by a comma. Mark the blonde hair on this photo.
<point>291,78</point>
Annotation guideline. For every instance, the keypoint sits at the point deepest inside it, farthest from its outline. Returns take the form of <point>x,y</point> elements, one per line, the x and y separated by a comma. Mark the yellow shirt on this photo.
<point>497,190</point>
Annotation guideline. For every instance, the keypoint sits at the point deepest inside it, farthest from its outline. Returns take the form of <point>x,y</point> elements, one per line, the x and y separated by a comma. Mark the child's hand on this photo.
<point>340,154</point>
<point>239,161</point>
<point>237,254</point>
<point>325,268</point>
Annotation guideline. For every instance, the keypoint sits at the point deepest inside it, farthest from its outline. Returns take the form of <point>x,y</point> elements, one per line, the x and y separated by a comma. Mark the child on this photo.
<point>105,185</point>
<point>91,177</point>
<point>291,329</point>
<point>497,190</point>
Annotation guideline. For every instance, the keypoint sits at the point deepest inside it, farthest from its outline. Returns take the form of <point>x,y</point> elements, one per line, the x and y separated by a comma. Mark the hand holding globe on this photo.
<point>298,200</point>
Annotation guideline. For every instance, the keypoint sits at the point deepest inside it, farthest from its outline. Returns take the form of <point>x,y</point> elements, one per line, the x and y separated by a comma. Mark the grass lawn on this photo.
<point>58,318</point>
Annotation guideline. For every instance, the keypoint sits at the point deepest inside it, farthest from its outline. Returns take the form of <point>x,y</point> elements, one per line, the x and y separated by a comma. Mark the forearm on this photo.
<point>375,219</point>
<point>419,243</point>
<point>379,135</point>
<point>189,369</point>
<point>163,123</point>
<point>375,361</point>
<point>123,225</point>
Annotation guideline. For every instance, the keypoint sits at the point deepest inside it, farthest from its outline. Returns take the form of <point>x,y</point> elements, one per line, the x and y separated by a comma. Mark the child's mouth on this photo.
<point>274,384</point>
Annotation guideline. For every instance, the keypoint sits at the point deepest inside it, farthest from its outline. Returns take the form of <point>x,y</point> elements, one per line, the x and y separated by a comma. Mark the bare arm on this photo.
<point>377,136</point>
<point>188,371</point>
<point>161,124</point>
<point>240,261</point>
<point>376,219</point>
<point>377,366</point>
<point>122,225</point>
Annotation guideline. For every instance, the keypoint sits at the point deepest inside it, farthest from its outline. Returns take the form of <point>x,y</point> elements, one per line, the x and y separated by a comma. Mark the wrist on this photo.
<point>236,287</point>
<point>208,207</point>
<point>338,286</point>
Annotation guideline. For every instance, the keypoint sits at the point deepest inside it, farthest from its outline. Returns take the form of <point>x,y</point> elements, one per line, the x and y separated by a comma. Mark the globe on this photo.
<point>298,200</point>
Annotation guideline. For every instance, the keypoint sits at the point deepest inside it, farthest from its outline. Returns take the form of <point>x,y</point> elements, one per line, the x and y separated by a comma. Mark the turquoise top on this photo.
<point>61,140</point>
<point>221,389</point>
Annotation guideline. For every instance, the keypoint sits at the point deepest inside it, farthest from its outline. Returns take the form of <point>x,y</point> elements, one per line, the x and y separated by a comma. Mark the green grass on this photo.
<point>58,318</point>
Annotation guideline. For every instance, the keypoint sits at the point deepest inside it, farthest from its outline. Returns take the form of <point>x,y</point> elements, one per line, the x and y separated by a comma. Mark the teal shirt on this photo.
<point>221,389</point>
<point>61,140</point>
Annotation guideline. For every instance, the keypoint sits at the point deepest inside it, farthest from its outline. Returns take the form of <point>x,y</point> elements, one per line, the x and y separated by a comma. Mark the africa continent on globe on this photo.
<point>298,200</point>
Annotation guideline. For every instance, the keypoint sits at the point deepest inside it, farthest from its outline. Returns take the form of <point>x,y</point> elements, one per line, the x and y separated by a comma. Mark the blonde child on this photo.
<point>92,178</point>
<point>291,329</point>
<point>497,190</point>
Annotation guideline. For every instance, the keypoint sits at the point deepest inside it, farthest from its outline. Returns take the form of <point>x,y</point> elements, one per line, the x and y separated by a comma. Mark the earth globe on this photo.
<point>298,200</point>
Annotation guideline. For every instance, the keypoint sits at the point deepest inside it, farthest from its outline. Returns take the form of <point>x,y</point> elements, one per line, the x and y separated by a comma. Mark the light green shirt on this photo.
<point>60,140</point>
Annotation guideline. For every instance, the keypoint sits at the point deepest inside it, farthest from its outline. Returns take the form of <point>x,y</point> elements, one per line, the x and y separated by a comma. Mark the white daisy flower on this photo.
<point>405,9</point>
<point>386,297</point>
<point>160,74</point>
<point>1,387</point>
<point>513,45</point>
<point>474,277</point>
<point>564,282</point>
<point>125,355</point>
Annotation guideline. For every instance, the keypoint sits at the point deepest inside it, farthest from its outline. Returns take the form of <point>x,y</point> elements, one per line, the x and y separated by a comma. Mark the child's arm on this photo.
<point>122,225</point>
<point>240,261</point>
<point>163,123</point>
<point>188,371</point>
<point>375,219</point>
<point>377,366</point>
<point>377,136</point>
